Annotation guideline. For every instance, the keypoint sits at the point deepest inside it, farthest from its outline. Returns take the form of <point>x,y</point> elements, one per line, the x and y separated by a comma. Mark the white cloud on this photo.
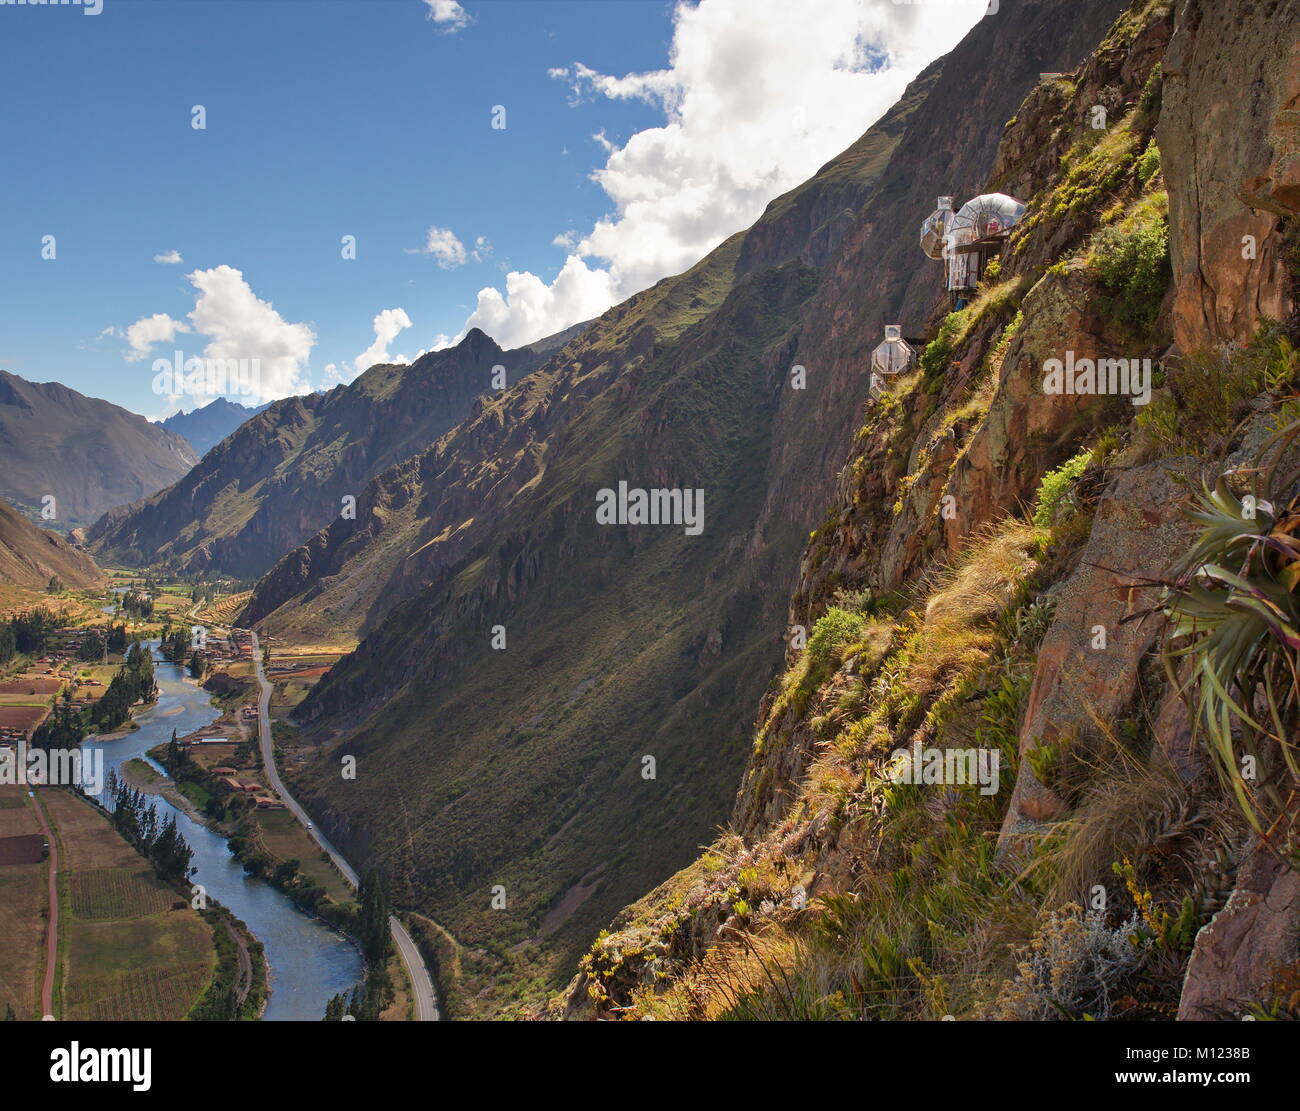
<point>532,309</point>
<point>448,15</point>
<point>172,257</point>
<point>148,330</point>
<point>240,325</point>
<point>237,325</point>
<point>756,97</point>
<point>444,248</point>
<point>388,324</point>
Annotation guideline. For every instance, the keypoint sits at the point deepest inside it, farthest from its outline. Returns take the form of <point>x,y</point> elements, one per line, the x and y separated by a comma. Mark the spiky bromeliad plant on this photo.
<point>1236,600</point>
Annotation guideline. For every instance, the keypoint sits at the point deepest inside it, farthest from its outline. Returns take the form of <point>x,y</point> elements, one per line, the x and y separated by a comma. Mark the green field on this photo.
<point>131,948</point>
<point>117,893</point>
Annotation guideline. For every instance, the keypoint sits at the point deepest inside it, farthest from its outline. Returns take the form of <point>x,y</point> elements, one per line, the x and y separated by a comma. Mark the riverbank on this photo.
<point>306,962</point>
<point>147,781</point>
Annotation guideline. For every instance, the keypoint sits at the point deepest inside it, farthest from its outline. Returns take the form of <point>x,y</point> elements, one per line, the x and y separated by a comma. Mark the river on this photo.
<point>309,962</point>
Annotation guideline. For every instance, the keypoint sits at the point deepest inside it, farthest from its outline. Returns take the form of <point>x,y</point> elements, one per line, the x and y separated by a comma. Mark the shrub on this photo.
<point>1073,967</point>
<point>938,352</point>
<point>1149,164</point>
<point>1204,393</point>
<point>1133,267</point>
<point>1054,486</point>
<point>1237,604</point>
<point>834,631</point>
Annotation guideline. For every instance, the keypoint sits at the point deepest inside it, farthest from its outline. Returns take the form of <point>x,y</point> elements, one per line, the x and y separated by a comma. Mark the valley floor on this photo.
<point>128,947</point>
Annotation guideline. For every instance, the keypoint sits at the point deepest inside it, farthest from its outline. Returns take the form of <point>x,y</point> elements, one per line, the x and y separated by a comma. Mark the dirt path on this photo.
<point>52,927</point>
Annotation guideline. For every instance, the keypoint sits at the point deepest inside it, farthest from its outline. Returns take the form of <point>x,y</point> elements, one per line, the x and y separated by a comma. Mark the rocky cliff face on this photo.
<point>1231,126</point>
<point>90,455</point>
<point>625,643</point>
<point>284,474</point>
<point>975,791</point>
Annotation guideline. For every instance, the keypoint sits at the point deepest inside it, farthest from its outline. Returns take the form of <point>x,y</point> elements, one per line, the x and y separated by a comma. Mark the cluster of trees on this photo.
<point>67,725</point>
<point>137,821</point>
<point>98,641</point>
<point>92,646</point>
<point>369,999</point>
<point>27,633</point>
<point>133,683</point>
<point>63,729</point>
<point>372,927</point>
<point>176,647</point>
<point>137,605</point>
<point>55,585</point>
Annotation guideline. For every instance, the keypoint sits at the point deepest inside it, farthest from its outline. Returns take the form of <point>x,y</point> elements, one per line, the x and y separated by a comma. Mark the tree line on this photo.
<point>162,843</point>
<point>370,997</point>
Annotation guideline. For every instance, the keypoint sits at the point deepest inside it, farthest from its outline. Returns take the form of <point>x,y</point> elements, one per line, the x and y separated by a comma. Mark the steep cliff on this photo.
<point>623,643</point>
<point>988,785</point>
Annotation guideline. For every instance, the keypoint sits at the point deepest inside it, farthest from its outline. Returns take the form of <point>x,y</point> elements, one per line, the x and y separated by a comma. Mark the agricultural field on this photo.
<point>75,608</point>
<point>141,994</point>
<point>25,718</point>
<point>22,911</point>
<point>292,676</point>
<point>283,837</point>
<point>132,948</point>
<point>223,610</point>
<point>116,893</point>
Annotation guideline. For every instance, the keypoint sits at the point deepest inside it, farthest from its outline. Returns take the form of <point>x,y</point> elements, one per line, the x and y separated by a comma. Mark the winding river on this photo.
<point>309,962</point>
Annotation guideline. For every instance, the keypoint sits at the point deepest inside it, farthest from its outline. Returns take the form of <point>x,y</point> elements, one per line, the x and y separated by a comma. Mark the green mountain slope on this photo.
<point>1017,593</point>
<point>623,643</point>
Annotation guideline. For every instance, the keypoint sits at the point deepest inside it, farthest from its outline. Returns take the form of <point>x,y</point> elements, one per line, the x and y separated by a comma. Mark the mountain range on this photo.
<point>284,473</point>
<point>207,426</point>
<point>87,454</point>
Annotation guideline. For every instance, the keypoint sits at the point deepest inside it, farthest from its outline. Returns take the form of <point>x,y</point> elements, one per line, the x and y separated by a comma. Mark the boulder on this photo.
<point>1240,950</point>
<point>1079,689</point>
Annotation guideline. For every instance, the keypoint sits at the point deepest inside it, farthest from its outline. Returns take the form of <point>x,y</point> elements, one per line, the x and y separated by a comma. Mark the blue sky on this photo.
<point>373,118</point>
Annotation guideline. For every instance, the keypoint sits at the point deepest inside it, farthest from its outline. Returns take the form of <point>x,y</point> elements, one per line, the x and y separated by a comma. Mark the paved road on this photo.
<point>52,931</point>
<point>426,1002</point>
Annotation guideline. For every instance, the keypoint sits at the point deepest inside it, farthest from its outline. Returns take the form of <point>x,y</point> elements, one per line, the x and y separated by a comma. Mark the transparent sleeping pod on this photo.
<point>894,356</point>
